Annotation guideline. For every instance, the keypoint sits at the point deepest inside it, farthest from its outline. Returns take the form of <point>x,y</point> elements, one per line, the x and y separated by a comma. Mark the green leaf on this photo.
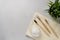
<point>50,2</point>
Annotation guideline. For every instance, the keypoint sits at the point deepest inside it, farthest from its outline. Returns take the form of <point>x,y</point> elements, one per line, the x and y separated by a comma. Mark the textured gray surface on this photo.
<point>15,16</point>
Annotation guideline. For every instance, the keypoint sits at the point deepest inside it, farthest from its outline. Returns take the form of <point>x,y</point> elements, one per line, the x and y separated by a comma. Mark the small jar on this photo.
<point>35,31</point>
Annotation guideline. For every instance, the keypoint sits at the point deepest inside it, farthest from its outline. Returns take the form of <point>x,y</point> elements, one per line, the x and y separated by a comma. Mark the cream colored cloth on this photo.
<point>42,36</point>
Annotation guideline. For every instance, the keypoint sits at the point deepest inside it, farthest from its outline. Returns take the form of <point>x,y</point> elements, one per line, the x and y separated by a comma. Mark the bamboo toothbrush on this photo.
<point>41,27</point>
<point>51,28</point>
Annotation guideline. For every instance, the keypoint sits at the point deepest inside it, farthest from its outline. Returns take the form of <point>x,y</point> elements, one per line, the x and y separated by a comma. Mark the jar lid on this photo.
<point>35,31</point>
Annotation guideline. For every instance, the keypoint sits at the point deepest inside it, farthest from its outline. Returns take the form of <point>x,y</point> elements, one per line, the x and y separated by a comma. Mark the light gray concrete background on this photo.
<point>15,16</point>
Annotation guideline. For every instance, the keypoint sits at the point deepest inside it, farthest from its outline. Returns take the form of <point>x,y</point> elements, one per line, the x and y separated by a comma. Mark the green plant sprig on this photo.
<point>54,9</point>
